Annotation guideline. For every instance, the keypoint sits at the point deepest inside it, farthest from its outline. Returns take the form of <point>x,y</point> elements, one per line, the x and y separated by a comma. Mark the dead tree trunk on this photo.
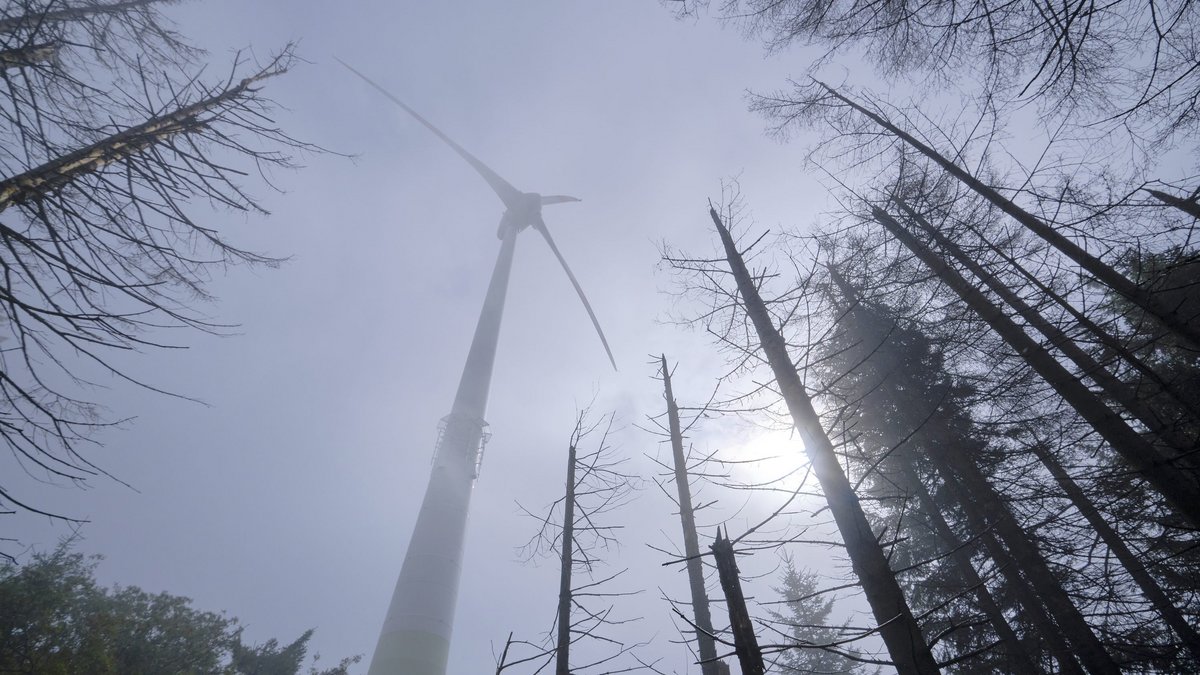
<point>897,625</point>
<point>1182,326</point>
<point>83,11</point>
<point>1141,455</point>
<point>744,641</point>
<point>562,654</point>
<point>42,180</point>
<point>28,55</point>
<point>1120,391</point>
<point>691,545</point>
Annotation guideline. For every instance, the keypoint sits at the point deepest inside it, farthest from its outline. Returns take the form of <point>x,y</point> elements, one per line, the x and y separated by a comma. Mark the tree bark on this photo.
<point>899,628</point>
<point>691,545</point>
<point>42,180</point>
<point>1145,581</point>
<point>29,55</point>
<point>1188,206</point>
<point>1142,456</point>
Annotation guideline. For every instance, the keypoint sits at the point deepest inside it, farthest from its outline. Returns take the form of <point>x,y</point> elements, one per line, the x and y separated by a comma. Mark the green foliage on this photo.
<point>805,622</point>
<point>54,620</point>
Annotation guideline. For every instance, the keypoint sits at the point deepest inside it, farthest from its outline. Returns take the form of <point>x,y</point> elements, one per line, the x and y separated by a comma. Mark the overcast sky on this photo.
<point>289,500</point>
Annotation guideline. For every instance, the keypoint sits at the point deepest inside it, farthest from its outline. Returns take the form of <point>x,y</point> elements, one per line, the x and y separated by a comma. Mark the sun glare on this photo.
<point>774,456</point>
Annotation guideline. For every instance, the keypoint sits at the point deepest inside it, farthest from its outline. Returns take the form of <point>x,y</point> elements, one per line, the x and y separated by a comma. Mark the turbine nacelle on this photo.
<point>525,210</point>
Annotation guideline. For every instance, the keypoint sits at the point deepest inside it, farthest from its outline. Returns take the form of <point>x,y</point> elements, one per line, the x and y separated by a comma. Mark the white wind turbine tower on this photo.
<point>415,639</point>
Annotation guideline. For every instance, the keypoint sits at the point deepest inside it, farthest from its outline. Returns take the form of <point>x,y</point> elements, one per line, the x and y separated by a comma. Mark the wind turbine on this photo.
<point>415,639</point>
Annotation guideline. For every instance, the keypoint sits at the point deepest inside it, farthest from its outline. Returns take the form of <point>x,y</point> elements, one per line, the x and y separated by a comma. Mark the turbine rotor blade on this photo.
<point>540,226</point>
<point>558,199</point>
<point>507,193</point>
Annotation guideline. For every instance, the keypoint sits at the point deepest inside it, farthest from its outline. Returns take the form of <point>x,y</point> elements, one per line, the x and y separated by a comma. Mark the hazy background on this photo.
<point>288,501</point>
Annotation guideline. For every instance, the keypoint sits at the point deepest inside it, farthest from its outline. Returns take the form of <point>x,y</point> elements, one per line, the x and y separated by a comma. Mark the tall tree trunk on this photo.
<point>1120,391</point>
<point>744,641</point>
<point>1145,581</point>
<point>1142,456</point>
<point>691,545</point>
<point>899,628</point>
<point>562,654</point>
<point>1109,341</point>
<point>1014,651</point>
<point>1185,327</point>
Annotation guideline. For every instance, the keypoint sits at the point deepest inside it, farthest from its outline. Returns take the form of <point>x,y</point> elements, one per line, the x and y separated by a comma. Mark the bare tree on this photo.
<point>575,529</point>
<point>1122,61</point>
<point>113,144</point>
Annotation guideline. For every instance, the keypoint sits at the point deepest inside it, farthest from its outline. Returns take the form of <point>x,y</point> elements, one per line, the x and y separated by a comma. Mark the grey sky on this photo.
<point>289,501</point>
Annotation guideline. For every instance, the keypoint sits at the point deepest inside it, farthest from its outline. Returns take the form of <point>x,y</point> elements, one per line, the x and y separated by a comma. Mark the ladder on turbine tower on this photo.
<point>484,436</point>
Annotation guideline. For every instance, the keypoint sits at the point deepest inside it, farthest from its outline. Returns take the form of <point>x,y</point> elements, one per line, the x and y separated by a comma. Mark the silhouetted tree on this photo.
<point>111,137</point>
<point>805,620</point>
<point>1124,61</point>
<point>762,339</point>
<point>575,531</point>
<point>687,517</point>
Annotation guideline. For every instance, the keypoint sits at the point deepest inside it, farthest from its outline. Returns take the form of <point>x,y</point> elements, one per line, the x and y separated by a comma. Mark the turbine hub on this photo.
<point>523,211</point>
<point>526,209</point>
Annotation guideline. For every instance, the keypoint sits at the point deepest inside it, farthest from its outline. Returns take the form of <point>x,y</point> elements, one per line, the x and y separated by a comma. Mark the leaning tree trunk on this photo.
<point>44,179</point>
<point>1183,326</point>
<point>1141,455</point>
<point>1109,341</point>
<point>1188,206</point>
<point>899,628</point>
<point>691,545</point>
<point>562,654</point>
<point>83,11</point>
<point>1120,391</point>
